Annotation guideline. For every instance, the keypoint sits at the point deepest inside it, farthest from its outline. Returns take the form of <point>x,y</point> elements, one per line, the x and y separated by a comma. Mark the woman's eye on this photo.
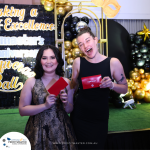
<point>53,57</point>
<point>80,45</point>
<point>43,58</point>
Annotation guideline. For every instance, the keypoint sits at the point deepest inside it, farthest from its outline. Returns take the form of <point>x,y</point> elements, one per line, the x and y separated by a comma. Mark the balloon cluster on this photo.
<point>48,4</point>
<point>138,85</point>
<point>72,51</point>
<point>140,51</point>
<point>72,26</point>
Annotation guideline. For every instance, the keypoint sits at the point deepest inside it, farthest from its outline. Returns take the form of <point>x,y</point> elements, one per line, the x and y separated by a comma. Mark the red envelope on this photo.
<point>57,86</point>
<point>91,81</point>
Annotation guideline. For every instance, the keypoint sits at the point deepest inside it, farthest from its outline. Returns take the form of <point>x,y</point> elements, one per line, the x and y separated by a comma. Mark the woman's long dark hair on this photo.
<point>38,66</point>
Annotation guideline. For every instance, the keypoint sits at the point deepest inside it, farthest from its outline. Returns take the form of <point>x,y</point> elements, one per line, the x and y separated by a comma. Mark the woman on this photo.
<point>91,112</point>
<point>48,127</point>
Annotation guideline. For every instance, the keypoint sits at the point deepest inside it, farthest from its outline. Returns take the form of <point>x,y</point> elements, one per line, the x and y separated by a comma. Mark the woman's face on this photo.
<point>49,61</point>
<point>88,45</point>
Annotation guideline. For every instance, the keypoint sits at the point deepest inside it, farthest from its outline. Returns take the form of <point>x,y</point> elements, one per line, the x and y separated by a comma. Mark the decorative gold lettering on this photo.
<point>33,12</point>
<point>7,23</point>
<point>6,85</point>
<point>15,65</point>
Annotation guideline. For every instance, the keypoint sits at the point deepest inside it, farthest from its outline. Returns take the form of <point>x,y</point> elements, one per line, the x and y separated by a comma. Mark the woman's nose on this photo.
<point>48,60</point>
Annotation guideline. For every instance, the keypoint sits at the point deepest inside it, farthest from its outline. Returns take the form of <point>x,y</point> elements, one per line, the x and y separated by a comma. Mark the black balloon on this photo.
<point>147,60</point>
<point>71,25</point>
<point>74,22</point>
<point>147,40</point>
<point>144,48</point>
<point>59,34</point>
<point>134,65</point>
<point>85,19</point>
<point>74,35</point>
<point>144,56</point>
<point>131,37</point>
<point>66,25</point>
<point>69,18</point>
<point>140,62</point>
<point>133,56</point>
<point>147,67</point>
<point>73,30</point>
<point>139,55</point>
<point>59,24</point>
<point>138,39</point>
<point>59,17</point>
<point>68,35</point>
<point>59,44</point>
<point>136,50</point>
<point>132,46</point>
<point>76,18</point>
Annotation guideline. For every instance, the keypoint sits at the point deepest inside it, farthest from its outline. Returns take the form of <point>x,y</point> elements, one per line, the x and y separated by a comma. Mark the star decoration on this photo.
<point>145,32</point>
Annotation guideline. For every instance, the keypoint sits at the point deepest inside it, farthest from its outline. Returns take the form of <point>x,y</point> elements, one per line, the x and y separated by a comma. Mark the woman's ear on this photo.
<point>96,39</point>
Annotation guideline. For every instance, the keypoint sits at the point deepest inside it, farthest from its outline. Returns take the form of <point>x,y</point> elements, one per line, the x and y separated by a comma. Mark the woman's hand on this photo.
<point>50,100</point>
<point>106,82</point>
<point>64,96</point>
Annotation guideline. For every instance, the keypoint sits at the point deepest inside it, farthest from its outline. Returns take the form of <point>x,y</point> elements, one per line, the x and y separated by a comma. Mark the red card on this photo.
<point>57,86</point>
<point>91,81</point>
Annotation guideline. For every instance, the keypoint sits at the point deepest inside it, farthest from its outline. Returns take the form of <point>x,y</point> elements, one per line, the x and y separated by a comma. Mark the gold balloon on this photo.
<point>128,94</point>
<point>144,82</point>
<point>49,6</point>
<point>142,76</point>
<point>67,45</point>
<point>71,50</point>
<point>137,85</point>
<point>70,61</point>
<point>133,88</point>
<point>139,94</point>
<point>127,79</point>
<point>61,2</point>
<point>60,10</point>
<point>131,72</point>
<point>136,69</point>
<point>146,74</point>
<point>42,2</point>
<point>141,71</point>
<point>147,97</point>
<point>129,84</point>
<point>68,6</point>
<point>76,52</point>
<point>135,76</point>
<point>66,52</point>
<point>69,55</point>
<point>74,43</point>
<point>131,81</point>
<point>66,57</point>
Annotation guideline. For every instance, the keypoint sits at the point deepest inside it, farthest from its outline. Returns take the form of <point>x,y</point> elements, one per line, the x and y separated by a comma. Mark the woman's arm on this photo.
<point>120,86</point>
<point>117,72</point>
<point>75,74</point>
<point>67,98</point>
<point>25,107</point>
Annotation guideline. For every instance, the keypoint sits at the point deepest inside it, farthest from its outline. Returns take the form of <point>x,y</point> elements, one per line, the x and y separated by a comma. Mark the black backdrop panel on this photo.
<point>43,16</point>
<point>10,98</point>
<point>119,44</point>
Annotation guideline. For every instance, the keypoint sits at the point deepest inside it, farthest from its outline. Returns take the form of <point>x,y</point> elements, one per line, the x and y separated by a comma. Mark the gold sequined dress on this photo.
<point>50,129</point>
